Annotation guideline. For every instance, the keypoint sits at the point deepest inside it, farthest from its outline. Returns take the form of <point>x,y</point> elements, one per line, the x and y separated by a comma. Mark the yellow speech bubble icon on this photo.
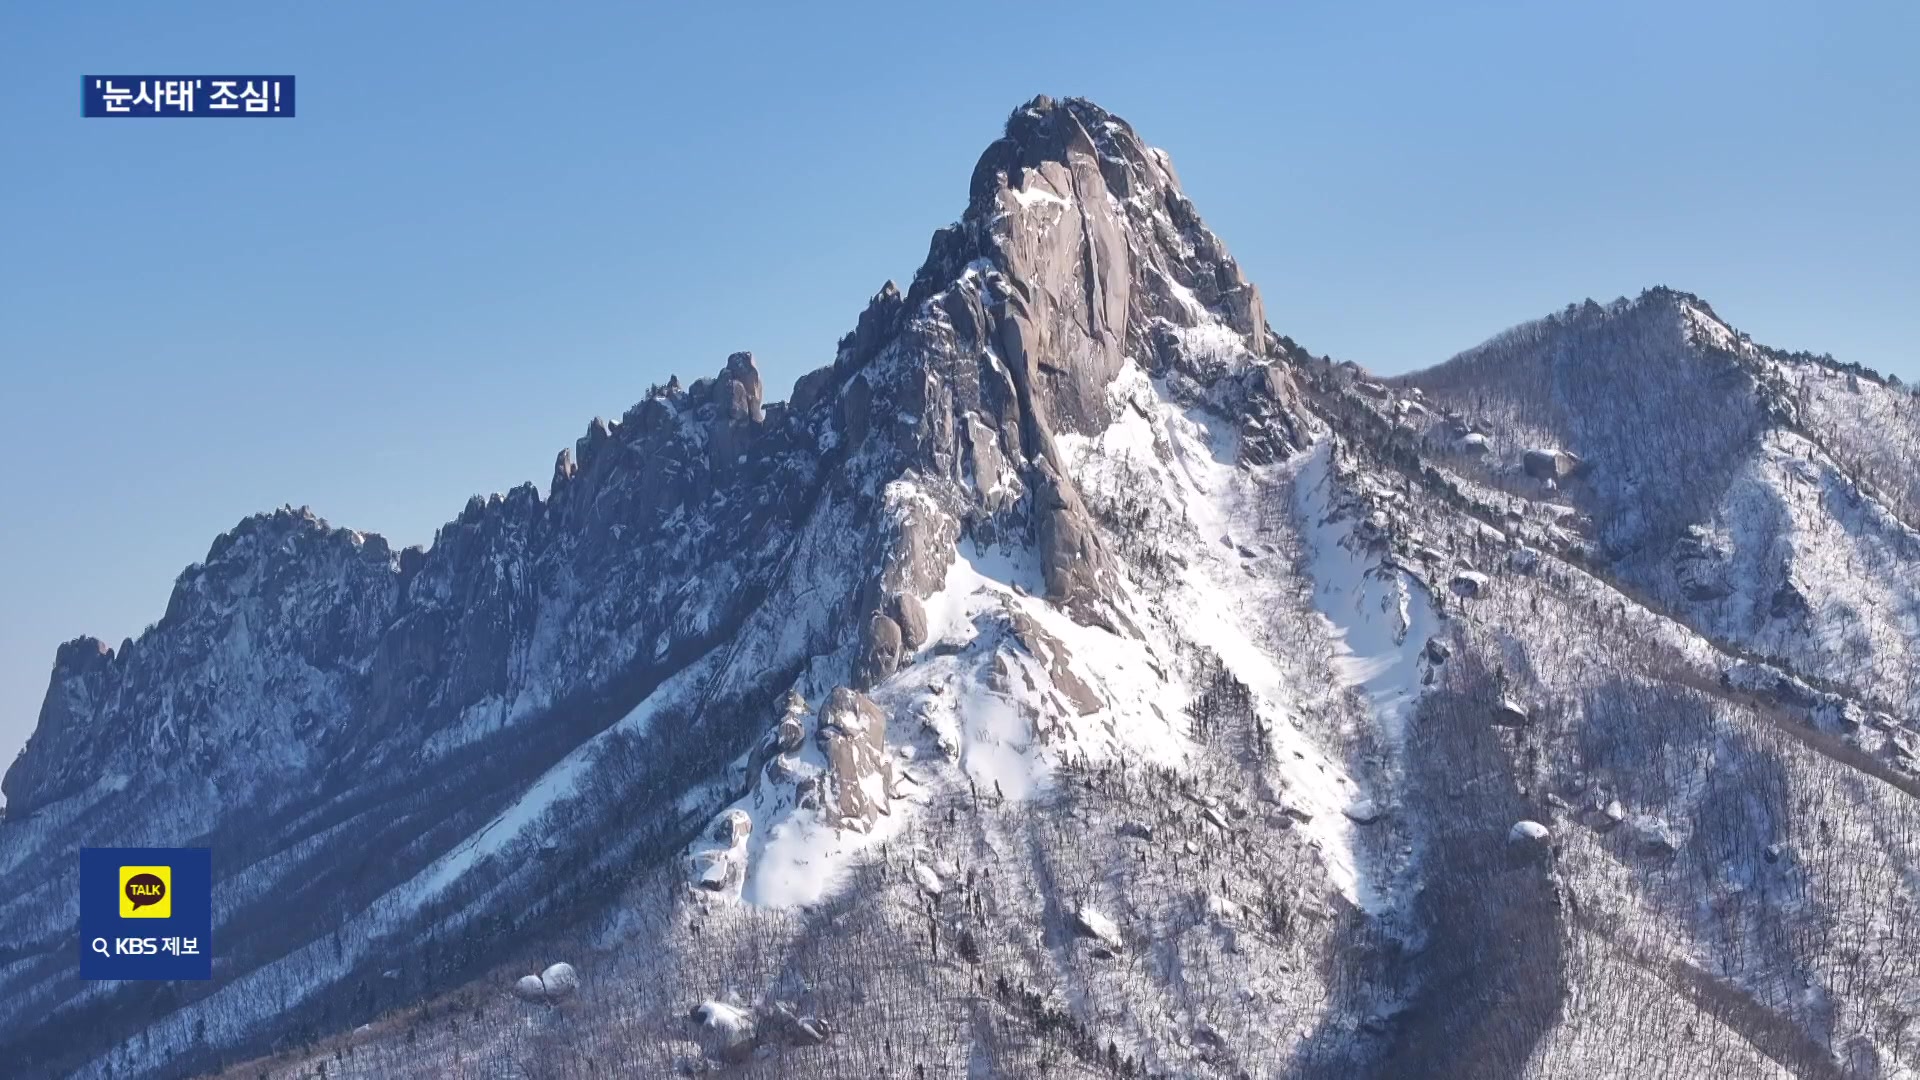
<point>146,892</point>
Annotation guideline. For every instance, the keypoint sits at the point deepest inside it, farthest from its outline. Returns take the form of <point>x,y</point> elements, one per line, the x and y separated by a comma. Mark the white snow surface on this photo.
<point>1381,617</point>
<point>1098,924</point>
<point>1792,521</point>
<point>1000,724</point>
<point>1192,458</point>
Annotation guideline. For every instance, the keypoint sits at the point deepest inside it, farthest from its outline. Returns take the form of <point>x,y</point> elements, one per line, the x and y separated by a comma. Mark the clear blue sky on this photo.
<point>491,222</point>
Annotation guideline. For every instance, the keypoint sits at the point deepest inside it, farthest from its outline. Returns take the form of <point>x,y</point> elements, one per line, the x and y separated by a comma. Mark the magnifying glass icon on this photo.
<point>100,946</point>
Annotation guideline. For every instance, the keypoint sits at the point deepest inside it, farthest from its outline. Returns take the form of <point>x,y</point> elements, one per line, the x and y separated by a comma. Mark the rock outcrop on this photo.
<point>859,780</point>
<point>551,987</point>
<point>1549,463</point>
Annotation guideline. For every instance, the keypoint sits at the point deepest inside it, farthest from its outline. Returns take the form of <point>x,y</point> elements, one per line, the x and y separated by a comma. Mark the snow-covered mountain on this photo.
<point>1766,499</point>
<point>1075,677</point>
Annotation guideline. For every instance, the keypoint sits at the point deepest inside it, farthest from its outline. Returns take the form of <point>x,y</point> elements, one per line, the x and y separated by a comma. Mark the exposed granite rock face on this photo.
<point>883,650</point>
<point>791,732</point>
<point>787,736</point>
<point>1078,254</point>
<point>737,412</point>
<point>1701,566</point>
<point>1076,569</point>
<point>733,828</point>
<point>998,486</point>
<point>911,615</point>
<point>1054,655</point>
<point>1549,463</point>
<point>859,778</point>
<point>1098,283</point>
<point>83,685</point>
<point>917,548</point>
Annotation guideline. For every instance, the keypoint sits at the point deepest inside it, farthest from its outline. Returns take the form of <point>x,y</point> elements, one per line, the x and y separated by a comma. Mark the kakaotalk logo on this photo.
<point>146,892</point>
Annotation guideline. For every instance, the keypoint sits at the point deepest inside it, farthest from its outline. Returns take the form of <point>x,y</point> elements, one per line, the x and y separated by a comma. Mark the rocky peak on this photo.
<point>1078,251</point>
<point>1077,255</point>
<point>82,677</point>
<point>1667,318</point>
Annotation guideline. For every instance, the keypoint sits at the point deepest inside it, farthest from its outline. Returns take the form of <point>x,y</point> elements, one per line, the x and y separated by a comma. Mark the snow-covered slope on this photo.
<point>1073,678</point>
<point>1763,497</point>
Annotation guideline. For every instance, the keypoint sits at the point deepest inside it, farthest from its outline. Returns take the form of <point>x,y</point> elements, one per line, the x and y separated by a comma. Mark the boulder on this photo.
<point>919,545</point>
<point>1469,584</point>
<point>928,880</point>
<point>1363,811</point>
<point>1221,909</point>
<point>1789,603</point>
<point>560,981</point>
<point>552,986</point>
<point>723,869</point>
<point>1529,833</point>
<point>1076,569</point>
<point>1510,713</point>
<point>911,614</point>
<point>859,777</point>
<point>732,827</point>
<point>1374,526</point>
<point>1276,384</point>
<point>1654,837</point>
<point>1604,817</point>
<point>726,1030</point>
<point>714,871</point>
<point>786,1022</point>
<point>1903,746</point>
<point>1549,464</point>
<point>738,389</point>
<point>1089,922</point>
<point>1701,565</point>
<point>875,326</point>
<point>883,651</point>
<point>736,396</point>
<point>792,731</point>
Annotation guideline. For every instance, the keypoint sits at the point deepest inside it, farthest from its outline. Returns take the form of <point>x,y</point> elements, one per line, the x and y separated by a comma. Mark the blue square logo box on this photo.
<point>121,934</point>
